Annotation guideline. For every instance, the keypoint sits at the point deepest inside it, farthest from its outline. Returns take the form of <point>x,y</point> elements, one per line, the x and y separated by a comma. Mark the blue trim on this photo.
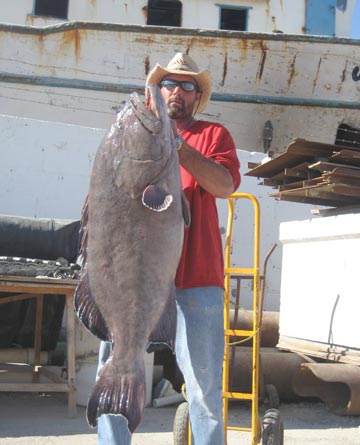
<point>320,17</point>
<point>285,100</point>
<point>217,97</point>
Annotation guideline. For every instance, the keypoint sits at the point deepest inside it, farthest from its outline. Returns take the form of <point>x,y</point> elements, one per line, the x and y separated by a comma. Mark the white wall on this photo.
<point>320,271</point>
<point>45,167</point>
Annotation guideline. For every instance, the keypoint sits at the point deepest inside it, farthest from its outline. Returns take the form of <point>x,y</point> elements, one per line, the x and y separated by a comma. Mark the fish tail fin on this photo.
<point>164,333</point>
<point>87,311</point>
<point>120,395</point>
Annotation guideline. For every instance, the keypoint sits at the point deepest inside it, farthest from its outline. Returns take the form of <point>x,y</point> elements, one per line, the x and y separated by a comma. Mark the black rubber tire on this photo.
<point>272,398</point>
<point>181,424</point>
<point>273,428</point>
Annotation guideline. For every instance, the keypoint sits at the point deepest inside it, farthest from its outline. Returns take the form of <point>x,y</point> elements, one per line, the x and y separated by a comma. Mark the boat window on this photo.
<point>164,12</point>
<point>233,18</point>
<point>50,8</point>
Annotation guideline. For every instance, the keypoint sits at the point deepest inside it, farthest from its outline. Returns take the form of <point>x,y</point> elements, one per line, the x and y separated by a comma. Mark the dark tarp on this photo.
<point>37,239</point>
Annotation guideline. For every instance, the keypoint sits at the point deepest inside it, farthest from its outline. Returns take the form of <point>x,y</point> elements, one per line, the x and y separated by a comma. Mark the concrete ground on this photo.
<point>33,419</point>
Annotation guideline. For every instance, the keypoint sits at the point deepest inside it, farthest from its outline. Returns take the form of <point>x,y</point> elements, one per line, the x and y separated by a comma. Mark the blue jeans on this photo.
<point>199,353</point>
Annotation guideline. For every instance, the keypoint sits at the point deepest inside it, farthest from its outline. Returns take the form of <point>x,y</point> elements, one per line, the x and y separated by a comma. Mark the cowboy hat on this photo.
<point>181,63</point>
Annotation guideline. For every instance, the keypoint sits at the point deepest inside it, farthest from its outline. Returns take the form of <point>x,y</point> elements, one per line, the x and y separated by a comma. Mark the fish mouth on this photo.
<point>146,117</point>
<point>158,106</point>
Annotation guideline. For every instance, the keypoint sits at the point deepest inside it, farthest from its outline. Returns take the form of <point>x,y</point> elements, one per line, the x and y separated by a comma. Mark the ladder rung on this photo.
<point>239,332</point>
<point>239,395</point>
<point>240,270</point>
<point>239,428</point>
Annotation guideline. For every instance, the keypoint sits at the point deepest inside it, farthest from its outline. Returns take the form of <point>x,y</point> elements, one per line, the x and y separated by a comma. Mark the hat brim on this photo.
<point>202,79</point>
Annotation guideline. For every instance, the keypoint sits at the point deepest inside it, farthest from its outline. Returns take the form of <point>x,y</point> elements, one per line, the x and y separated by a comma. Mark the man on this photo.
<point>209,170</point>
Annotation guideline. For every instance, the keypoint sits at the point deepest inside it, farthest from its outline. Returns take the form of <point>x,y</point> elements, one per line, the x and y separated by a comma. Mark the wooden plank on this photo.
<point>350,157</point>
<point>294,185</point>
<point>348,190</point>
<point>301,184</point>
<point>313,148</point>
<point>19,297</point>
<point>297,152</point>
<point>336,179</point>
<point>307,200</point>
<point>37,335</point>
<point>348,172</point>
<point>314,181</point>
<point>36,285</point>
<point>322,194</point>
<point>70,351</point>
<point>277,165</point>
<point>34,387</point>
<point>270,183</point>
<point>32,280</point>
<point>253,164</point>
<point>302,167</point>
<point>296,173</point>
<point>324,166</point>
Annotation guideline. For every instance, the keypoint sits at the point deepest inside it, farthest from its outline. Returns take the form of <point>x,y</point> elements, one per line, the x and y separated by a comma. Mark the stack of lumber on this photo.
<point>313,173</point>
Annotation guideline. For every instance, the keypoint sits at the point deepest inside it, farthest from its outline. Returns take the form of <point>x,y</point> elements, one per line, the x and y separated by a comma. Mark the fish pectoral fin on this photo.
<point>155,198</point>
<point>118,394</point>
<point>87,311</point>
<point>185,209</point>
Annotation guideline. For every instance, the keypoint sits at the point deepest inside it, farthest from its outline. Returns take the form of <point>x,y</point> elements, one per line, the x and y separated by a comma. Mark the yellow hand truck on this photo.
<point>271,431</point>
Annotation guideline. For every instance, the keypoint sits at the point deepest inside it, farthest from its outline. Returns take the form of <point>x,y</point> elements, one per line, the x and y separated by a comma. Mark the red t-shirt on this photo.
<point>202,262</point>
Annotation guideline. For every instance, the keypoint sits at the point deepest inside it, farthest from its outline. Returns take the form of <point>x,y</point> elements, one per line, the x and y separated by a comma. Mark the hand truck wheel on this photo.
<point>272,398</point>
<point>273,428</point>
<point>181,424</point>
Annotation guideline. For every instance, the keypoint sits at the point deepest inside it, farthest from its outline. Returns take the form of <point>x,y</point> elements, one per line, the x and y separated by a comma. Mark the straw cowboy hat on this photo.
<point>181,63</point>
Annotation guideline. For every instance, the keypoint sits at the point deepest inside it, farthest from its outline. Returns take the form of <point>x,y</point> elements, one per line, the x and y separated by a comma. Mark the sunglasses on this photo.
<point>186,85</point>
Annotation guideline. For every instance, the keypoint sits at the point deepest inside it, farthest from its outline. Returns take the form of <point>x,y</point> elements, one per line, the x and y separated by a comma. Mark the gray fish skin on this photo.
<point>133,224</point>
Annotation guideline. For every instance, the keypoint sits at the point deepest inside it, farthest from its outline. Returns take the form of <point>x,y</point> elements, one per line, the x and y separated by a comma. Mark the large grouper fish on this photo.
<point>132,230</point>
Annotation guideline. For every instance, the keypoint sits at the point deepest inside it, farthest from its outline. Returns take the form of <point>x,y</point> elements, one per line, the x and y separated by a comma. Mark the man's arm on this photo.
<point>212,177</point>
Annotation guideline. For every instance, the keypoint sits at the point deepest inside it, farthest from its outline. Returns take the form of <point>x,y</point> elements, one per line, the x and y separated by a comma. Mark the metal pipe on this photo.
<point>337,384</point>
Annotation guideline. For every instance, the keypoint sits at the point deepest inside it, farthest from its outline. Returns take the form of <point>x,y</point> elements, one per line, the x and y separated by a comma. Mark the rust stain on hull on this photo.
<point>262,62</point>
<point>292,71</point>
<point>343,77</point>
<point>224,70</point>
<point>40,39</point>
<point>147,65</point>
<point>73,38</point>
<point>317,75</point>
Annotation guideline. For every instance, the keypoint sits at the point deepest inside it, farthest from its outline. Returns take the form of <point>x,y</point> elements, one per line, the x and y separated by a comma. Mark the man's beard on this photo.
<point>176,111</point>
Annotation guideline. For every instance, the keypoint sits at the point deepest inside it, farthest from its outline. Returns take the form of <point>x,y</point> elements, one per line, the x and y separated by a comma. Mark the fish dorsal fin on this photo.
<point>155,198</point>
